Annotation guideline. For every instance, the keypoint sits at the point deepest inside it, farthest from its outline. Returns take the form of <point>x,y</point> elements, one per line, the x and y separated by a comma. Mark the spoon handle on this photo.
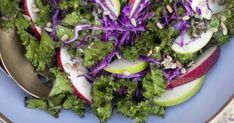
<point>4,119</point>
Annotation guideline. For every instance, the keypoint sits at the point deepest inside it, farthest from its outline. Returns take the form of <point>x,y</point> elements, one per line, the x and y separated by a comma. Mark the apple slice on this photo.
<point>206,6</point>
<point>201,66</point>
<point>114,5</point>
<point>191,45</point>
<point>81,85</point>
<point>135,3</point>
<point>28,7</point>
<point>121,66</point>
<point>180,94</point>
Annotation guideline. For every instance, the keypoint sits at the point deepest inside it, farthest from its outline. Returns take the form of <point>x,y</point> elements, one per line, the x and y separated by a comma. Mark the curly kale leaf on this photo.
<point>45,13</point>
<point>144,43</point>
<point>39,53</point>
<point>154,84</point>
<point>60,97</point>
<point>139,111</point>
<point>96,51</point>
<point>102,94</point>
<point>9,10</point>
<point>228,14</point>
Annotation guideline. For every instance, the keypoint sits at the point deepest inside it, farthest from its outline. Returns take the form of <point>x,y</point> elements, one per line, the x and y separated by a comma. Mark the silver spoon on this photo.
<point>17,67</point>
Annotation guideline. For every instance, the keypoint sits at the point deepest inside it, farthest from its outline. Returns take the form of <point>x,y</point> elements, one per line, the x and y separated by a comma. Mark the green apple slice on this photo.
<point>114,5</point>
<point>180,94</point>
<point>191,45</point>
<point>122,65</point>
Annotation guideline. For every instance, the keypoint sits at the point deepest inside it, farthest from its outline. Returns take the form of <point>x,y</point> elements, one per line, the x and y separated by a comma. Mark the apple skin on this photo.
<point>192,90</point>
<point>37,30</point>
<point>200,70</point>
<point>59,63</point>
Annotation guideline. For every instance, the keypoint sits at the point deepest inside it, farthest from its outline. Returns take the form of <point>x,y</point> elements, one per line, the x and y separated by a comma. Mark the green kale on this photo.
<point>154,84</point>
<point>69,4</point>
<point>42,104</point>
<point>96,51</point>
<point>60,97</point>
<point>73,18</point>
<point>9,10</point>
<point>144,43</point>
<point>61,31</point>
<point>39,53</point>
<point>102,94</point>
<point>45,13</point>
<point>219,37</point>
<point>61,84</point>
<point>139,111</point>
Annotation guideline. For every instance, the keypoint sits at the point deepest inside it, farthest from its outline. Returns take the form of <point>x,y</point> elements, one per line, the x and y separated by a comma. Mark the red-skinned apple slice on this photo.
<point>80,85</point>
<point>28,5</point>
<point>201,66</point>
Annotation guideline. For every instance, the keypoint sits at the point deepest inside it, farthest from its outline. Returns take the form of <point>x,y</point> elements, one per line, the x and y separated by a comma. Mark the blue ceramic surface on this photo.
<point>219,86</point>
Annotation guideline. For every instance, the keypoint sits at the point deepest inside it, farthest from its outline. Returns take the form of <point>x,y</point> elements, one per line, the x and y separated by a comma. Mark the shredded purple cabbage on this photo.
<point>122,91</point>
<point>172,74</point>
<point>150,59</point>
<point>55,19</point>
<point>102,65</point>
<point>135,76</point>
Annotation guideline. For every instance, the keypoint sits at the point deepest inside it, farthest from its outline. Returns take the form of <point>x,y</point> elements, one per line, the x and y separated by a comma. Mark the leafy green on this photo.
<point>60,97</point>
<point>154,84</point>
<point>9,10</point>
<point>45,13</point>
<point>96,51</point>
<point>228,14</point>
<point>73,18</point>
<point>61,31</point>
<point>61,84</point>
<point>102,94</point>
<point>40,54</point>
<point>139,111</point>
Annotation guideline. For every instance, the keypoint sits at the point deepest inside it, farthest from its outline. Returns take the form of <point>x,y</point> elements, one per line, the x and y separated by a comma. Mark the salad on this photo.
<point>134,57</point>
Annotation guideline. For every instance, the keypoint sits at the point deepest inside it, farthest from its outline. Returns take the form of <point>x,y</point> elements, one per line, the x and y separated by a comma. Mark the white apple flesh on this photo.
<point>191,45</point>
<point>121,66</point>
<point>207,12</point>
<point>180,94</point>
<point>201,66</point>
<point>81,85</point>
<point>28,7</point>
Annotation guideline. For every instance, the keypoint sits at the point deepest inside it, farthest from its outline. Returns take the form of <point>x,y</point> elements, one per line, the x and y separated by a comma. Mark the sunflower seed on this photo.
<point>169,58</point>
<point>223,26</point>
<point>179,65</point>
<point>65,37</point>
<point>150,52</point>
<point>160,26</point>
<point>48,29</point>
<point>173,66</point>
<point>49,24</point>
<point>27,17</point>
<point>183,70</point>
<point>118,56</point>
<point>186,18</point>
<point>35,10</point>
<point>169,9</point>
<point>133,21</point>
